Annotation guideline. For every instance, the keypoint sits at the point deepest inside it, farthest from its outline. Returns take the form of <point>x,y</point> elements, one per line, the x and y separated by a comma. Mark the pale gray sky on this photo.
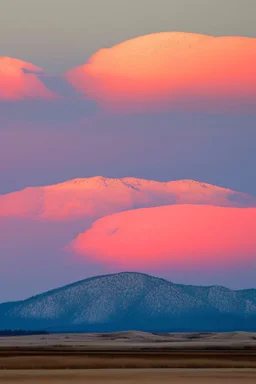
<point>60,34</point>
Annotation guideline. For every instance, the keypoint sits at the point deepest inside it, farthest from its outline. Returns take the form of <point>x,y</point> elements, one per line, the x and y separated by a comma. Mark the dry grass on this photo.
<point>129,350</point>
<point>129,377</point>
<point>91,360</point>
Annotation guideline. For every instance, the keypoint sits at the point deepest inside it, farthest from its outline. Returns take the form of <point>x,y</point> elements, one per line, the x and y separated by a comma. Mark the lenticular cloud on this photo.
<point>171,69</point>
<point>183,236</point>
<point>19,81</point>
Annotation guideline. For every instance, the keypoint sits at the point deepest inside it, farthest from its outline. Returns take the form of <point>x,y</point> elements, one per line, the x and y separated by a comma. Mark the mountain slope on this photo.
<point>94,197</point>
<point>131,301</point>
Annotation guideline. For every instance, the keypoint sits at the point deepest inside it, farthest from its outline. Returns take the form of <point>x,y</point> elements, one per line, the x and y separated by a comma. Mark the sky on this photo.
<point>142,89</point>
<point>58,34</point>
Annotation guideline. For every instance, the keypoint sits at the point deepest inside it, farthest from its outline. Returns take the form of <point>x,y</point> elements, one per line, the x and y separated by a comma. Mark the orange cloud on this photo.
<point>166,69</point>
<point>18,81</point>
<point>184,236</point>
<point>95,197</point>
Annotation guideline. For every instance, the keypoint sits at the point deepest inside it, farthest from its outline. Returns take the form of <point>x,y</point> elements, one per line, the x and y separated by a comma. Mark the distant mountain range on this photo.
<point>94,197</point>
<point>130,300</point>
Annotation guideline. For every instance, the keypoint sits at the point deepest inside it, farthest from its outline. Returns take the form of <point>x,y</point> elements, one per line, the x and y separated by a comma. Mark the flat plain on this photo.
<point>129,376</point>
<point>129,357</point>
<point>134,340</point>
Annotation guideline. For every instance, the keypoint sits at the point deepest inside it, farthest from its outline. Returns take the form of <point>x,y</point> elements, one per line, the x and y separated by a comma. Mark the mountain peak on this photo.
<point>131,300</point>
<point>94,197</point>
<point>79,182</point>
<point>133,181</point>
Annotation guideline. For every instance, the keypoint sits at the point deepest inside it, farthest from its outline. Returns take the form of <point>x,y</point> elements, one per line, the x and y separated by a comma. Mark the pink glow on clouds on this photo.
<point>95,197</point>
<point>165,69</point>
<point>184,236</point>
<point>15,84</point>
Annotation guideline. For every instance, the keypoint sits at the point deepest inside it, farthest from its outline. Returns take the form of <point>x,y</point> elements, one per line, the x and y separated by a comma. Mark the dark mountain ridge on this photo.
<point>131,300</point>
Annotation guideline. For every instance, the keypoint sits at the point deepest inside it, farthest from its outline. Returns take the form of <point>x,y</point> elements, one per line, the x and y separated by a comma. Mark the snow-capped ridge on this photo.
<point>107,181</point>
<point>95,197</point>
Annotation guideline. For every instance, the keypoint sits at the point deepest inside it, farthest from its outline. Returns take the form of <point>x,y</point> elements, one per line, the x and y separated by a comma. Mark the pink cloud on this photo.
<point>183,236</point>
<point>19,81</point>
<point>170,70</point>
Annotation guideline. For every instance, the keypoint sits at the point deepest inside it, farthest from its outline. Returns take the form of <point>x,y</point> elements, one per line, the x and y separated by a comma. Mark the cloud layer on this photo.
<point>178,236</point>
<point>19,81</point>
<point>37,224</point>
<point>163,71</point>
<point>171,70</point>
<point>83,132</point>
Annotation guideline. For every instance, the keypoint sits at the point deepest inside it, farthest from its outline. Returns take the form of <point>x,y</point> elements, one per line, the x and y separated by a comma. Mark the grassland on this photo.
<point>128,350</point>
<point>129,376</point>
